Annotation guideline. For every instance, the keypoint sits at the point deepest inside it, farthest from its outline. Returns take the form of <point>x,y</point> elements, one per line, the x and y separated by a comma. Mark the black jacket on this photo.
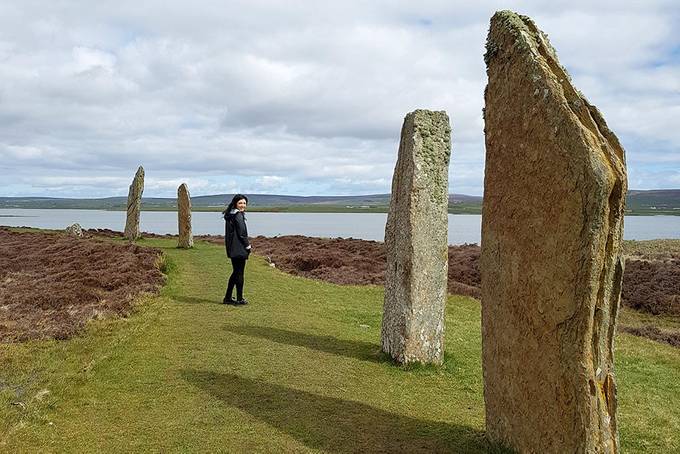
<point>236,236</point>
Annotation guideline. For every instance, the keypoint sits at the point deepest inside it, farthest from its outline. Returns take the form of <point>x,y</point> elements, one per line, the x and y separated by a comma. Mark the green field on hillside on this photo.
<point>638,203</point>
<point>297,370</point>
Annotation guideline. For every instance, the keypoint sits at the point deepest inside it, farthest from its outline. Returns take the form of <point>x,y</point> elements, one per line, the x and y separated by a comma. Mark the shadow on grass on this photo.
<point>336,425</point>
<point>195,300</point>
<point>364,351</point>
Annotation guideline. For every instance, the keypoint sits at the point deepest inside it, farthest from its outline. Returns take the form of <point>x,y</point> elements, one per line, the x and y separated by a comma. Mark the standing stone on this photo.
<point>186,239</point>
<point>134,205</point>
<point>554,193</point>
<point>416,241</point>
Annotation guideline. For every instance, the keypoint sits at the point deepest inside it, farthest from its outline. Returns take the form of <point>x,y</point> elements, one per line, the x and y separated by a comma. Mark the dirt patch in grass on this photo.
<point>51,284</point>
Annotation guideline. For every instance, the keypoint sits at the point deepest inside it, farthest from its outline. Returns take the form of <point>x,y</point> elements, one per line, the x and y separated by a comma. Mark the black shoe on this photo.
<point>242,302</point>
<point>229,301</point>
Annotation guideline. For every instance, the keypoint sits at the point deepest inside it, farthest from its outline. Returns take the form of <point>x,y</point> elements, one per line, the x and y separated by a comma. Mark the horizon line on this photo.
<point>269,194</point>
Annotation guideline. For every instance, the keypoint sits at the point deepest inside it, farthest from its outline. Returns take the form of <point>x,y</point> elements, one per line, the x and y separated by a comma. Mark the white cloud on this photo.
<point>88,60</point>
<point>271,181</point>
<point>61,181</point>
<point>298,97</point>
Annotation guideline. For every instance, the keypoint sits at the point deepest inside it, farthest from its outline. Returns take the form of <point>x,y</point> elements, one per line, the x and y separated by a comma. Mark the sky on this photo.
<point>299,97</point>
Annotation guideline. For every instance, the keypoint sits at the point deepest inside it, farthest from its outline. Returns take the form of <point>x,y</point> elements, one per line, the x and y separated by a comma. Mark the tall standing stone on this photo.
<point>134,205</point>
<point>416,241</point>
<point>186,239</point>
<point>554,193</point>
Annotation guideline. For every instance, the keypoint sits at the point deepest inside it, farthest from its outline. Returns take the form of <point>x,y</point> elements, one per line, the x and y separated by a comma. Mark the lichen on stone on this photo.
<point>435,132</point>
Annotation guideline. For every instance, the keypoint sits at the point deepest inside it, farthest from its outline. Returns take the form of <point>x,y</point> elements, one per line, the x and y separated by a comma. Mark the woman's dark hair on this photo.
<point>233,203</point>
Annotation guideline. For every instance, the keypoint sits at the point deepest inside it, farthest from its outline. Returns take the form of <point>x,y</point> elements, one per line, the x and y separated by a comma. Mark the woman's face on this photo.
<point>241,205</point>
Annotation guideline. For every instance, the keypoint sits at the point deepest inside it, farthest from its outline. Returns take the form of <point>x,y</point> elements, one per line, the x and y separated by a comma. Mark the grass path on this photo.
<point>297,370</point>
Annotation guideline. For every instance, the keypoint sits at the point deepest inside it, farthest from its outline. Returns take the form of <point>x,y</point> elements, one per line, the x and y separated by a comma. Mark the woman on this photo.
<point>238,247</point>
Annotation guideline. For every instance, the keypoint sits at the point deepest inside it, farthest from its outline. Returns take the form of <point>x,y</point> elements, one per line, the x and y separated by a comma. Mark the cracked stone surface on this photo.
<point>551,264</point>
<point>416,242</point>
<point>134,205</point>
<point>186,239</point>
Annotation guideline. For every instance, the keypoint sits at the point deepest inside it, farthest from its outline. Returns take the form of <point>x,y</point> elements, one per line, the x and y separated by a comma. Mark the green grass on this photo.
<point>638,319</point>
<point>297,370</point>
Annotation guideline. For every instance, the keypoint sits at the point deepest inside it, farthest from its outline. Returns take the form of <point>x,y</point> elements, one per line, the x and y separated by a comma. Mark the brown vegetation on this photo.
<point>654,333</point>
<point>71,281</point>
<point>653,286</point>
<point>52,284</point>
<point>358,262</point>
<point>651,281</point>
<point>649,285</point>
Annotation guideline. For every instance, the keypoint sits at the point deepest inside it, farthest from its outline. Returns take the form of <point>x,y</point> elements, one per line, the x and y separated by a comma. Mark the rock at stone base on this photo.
<point>74,230</point>
<point>554,193</point>
<point>416,242</point>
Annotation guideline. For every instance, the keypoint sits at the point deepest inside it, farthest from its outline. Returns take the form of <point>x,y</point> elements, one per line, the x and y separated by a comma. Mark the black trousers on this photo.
<point>236,278</point>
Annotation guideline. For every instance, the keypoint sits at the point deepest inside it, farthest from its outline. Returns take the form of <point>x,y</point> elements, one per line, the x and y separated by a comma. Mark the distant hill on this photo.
<point>270,200</point>
<point>663,201</point>
<point>214,201</point>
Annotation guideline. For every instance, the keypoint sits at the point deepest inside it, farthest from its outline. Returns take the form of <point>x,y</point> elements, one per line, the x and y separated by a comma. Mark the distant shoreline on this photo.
<point>466,209</point>
<point>638,203</point>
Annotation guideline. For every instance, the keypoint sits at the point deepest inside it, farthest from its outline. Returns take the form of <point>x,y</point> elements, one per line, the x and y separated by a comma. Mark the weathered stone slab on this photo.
<point>554,189</point>
<point>186,239</point>
<point>416,241</point>
<point>134,205</point>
